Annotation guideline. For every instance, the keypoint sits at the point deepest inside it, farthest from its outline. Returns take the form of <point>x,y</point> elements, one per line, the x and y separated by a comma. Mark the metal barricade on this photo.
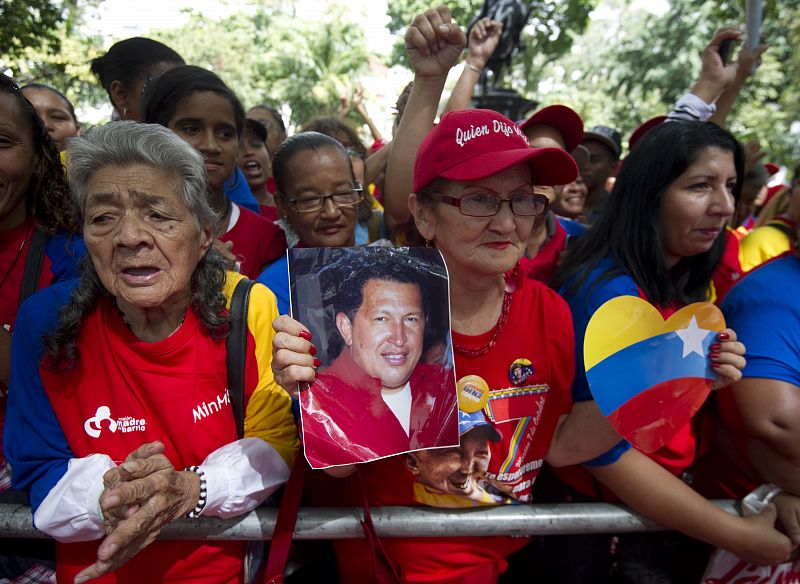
<point>345,522</point>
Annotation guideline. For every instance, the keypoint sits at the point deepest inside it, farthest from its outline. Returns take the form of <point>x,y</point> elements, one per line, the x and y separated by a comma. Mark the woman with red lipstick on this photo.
<point>474,200</point>
<point>660,238</point>
<point>203,111</point>
<point>513,340</point>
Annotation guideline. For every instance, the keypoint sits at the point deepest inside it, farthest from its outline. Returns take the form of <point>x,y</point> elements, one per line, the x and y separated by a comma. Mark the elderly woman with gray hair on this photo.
<point>119,414</point>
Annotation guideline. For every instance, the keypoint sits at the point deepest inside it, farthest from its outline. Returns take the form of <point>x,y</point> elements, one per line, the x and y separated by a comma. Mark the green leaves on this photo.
<point>273,57</point>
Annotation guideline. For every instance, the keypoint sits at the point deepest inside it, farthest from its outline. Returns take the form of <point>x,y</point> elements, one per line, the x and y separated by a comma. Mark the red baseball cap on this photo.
<point>645,127</point>
<point>772,168</point>
<point>477,143</point>
<point>564,119</point>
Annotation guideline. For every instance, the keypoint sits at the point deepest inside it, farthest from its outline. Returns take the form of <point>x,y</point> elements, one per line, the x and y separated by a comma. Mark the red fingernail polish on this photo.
<point>306,335</point>
<point>716,365</point>
<point>317,362</point>
<point>723,336</point>
<point>313,350</point>
<point>715,347</point>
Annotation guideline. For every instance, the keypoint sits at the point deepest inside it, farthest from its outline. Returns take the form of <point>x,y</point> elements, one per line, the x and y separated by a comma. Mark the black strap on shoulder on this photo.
<point>33,264</point>
<point>784,228</point>
<point>236,346</point>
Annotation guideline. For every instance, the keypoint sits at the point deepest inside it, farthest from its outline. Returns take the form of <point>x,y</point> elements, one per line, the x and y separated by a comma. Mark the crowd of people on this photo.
<point>131,395</point>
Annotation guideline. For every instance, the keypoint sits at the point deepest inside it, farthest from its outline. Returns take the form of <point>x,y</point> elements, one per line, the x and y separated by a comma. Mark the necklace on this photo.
<point>128,325</point>
<point>498,329</point>
<point>28,231</point>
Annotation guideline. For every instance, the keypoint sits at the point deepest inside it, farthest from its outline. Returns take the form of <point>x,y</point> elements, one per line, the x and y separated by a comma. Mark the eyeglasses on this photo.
<point>488,204</point>
<point>316,203</point>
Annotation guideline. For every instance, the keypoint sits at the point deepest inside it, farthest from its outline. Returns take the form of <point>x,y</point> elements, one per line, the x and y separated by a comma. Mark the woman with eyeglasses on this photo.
<point>512,337</point>
<point>317,198</point>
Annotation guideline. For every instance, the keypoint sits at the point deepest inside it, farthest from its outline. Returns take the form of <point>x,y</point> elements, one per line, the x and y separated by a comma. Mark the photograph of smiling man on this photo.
<point>380,323</point>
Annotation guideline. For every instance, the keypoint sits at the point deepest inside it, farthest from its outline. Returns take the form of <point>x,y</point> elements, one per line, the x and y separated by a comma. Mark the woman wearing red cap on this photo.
<point>474,200</point>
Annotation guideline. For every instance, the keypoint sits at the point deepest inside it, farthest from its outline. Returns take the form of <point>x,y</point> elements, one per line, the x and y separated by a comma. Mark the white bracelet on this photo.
<point>201,502</point>
<point>472,67</point>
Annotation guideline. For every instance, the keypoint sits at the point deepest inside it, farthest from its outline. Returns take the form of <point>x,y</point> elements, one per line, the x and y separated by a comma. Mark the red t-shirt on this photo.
<point>729,269</point>
<point>537,344</point>
<point>126,392</point>
<point>269,213</point>
<point>543,266</point>
<point>256,242</point>
<point>14,246</point>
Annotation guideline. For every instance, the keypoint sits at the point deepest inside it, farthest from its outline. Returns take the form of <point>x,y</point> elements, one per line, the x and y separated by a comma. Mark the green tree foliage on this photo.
<point>32,23</point>
<point>633,66</point>
<point>66,69</point>
<point>272,57</point>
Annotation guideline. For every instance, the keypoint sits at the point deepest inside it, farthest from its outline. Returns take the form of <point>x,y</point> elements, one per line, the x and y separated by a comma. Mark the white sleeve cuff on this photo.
<point>756,501</point>
<point>71,510</point>
<point>691,108</point>
<point>241,475</point>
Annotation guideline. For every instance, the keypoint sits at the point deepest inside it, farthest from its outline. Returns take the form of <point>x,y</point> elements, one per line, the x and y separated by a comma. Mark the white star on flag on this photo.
<point>692,337</point>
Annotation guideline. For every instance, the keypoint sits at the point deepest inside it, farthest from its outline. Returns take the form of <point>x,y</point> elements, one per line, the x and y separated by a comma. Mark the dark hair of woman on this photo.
<point>339,129</point>
<point>275,114</point>
<point>128,60</point>
<point>296,144</point>
<point>628,230</point>
<point>161,97</point>
<point>48,198</point>
<point>63,97</point>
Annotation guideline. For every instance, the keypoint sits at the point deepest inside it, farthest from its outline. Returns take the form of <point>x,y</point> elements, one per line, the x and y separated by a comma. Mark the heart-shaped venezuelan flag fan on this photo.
<point>647,375</point>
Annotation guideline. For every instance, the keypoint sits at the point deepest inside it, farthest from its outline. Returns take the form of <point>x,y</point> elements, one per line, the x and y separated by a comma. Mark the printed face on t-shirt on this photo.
<point>206,120</point>
<point>453,471</point>
<point>385,337</point>
<point>143,241</point>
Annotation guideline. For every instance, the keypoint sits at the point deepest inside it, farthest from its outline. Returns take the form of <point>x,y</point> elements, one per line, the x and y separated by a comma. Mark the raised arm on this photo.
<point>745,67</point>
<point>483,39</point>
<point>358,104</point>
<point>699,104</point>
<point>433,42</point>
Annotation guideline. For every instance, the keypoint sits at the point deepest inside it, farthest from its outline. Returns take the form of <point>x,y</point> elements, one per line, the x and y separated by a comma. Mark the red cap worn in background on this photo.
<point>477,143</point>
<point>564,119</point>
<point>645,127</point>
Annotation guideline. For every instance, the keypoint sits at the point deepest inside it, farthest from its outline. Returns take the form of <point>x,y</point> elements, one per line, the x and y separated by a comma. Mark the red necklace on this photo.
<point>28,231</point>
<point>498,329</point>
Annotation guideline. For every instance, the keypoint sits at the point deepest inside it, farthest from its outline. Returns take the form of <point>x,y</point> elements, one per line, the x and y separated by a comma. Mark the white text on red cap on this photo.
<point>498,127</point>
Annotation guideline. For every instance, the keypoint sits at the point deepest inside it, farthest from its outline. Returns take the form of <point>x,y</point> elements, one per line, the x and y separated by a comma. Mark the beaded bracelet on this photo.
<point>201,502</point>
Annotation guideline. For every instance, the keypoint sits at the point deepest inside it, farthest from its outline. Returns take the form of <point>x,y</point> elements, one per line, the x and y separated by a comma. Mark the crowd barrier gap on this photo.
<point>315,523</point>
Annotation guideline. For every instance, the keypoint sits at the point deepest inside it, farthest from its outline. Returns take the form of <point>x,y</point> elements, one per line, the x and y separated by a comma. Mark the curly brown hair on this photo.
<point>48,197</point>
